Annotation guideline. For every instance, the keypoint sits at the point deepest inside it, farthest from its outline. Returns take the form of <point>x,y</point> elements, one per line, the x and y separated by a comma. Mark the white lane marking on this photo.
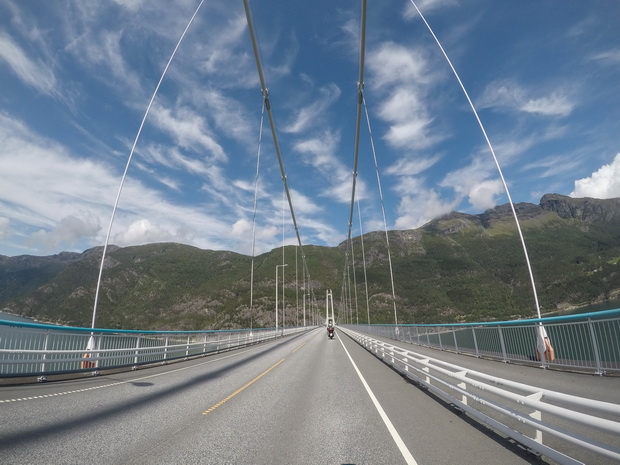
<point>397,439</point>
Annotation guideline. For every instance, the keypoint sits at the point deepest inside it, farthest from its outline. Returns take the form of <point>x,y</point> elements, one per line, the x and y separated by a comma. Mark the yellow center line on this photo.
<point>300,346</point>
<point>241,388</point>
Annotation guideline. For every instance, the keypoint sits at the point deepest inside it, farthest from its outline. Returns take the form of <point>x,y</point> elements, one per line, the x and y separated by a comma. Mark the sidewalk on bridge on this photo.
<point>591,386</point>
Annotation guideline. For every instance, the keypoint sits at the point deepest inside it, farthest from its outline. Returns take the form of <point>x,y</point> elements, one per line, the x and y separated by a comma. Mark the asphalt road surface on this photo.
<point>302,399</point>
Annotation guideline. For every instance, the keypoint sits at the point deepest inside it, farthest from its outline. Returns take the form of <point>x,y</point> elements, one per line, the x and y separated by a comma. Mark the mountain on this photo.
<point>458,267</point>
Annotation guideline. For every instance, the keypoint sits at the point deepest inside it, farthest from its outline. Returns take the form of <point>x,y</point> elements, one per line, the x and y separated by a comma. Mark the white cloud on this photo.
<point>603,184</point>
<point>143,231</point>
<point>555,104</point>
<point>473,182</point>
<point>311,115</point>
<point>412,166</point>
<point>483,195</point>
<point>33,73</point>
<point>401,76</point>
<point>426,6</point>
<point>69,231</point>
<point>418,210</point>
<point>303,204</point>
<point>553,166</point>
<point>319,153</point>
<point>241,227</point>
<point>509,95</point>
<point>611,57</point>
<point>53,198</point>
<point>189,129</point>
<point>132,5</point>
<point>5,228</point>
<point>519,141</point>
<point>230,117</point>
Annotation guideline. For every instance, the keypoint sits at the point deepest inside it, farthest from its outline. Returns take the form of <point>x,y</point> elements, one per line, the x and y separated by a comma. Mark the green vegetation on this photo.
<point>456,268</point>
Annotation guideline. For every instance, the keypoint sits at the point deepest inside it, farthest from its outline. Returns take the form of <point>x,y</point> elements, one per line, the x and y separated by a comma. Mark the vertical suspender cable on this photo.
<point>488,141</point>
<point>360,103</point>
<point>133,148</point>
<point>387,238</point>
<point>260,139</point>
<point>359,216</point>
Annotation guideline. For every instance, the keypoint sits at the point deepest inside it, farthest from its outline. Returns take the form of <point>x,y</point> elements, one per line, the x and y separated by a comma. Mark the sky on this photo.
<point>77,76</point>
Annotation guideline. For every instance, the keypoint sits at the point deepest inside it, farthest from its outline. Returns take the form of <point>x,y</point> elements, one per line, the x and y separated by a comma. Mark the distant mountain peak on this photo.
<point>585,209</point>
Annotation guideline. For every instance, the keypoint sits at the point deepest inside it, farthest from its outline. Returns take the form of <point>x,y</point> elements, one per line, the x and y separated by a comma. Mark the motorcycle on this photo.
<point>330,332</point>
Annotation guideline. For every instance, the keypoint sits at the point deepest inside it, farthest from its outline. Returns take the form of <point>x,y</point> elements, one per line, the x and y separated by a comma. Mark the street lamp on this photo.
<point>305,307</point>
<point>277,266</point>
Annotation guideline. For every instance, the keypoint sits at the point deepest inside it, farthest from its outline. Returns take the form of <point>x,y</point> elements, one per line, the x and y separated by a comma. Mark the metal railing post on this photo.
<point>597,355</point>
<point>44,357</point>
<point>137,351</point>
<point>501,341</point>
<point>456,344</point>
<point>473,332</point>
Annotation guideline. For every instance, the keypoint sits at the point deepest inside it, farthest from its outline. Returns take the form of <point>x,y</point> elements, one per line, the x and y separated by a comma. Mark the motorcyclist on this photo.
<point>330,328</point>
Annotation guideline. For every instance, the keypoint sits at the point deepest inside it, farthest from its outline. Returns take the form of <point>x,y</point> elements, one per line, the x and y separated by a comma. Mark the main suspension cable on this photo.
<point>274,134</point>
<point>358,119</point>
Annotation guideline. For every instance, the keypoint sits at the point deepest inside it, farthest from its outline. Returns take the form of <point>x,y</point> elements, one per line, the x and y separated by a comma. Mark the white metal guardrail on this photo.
<point>31,349</point>
<point>585,342</point>
<point>522,412</point>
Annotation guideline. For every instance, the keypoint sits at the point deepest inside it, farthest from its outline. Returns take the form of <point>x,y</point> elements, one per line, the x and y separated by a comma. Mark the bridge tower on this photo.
<point>329,303</point>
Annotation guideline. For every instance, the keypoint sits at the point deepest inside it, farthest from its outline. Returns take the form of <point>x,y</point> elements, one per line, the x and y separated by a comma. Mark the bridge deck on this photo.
<point>295,400</point>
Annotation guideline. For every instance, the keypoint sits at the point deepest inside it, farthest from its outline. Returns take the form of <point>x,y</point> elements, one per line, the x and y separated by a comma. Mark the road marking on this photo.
<point>132,380</point>
<point>299,347</point>
<point>397,439</point>
<point>241,388</point>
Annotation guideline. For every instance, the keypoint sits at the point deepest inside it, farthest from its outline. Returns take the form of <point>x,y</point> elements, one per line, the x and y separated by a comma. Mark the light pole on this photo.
<point>305,307</point>
<point>277,266</point>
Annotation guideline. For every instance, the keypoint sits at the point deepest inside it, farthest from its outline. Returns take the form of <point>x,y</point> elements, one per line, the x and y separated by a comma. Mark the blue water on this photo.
<point>9,317</point>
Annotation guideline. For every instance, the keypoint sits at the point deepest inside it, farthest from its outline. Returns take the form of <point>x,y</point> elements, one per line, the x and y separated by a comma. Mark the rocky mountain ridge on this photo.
<point>458,267</point>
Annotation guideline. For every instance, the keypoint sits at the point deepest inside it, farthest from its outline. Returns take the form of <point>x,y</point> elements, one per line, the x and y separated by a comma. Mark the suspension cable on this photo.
<point>354,282</point>
<point>358,118</point>
<point>387,238</point>
<point>359,215</point>
<point>133,148</point>
<point>274,134</point>
<point>488,141</point>
<point>260,139</point>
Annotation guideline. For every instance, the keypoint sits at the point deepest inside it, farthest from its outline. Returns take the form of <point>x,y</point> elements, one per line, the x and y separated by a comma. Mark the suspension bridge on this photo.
<point>479,393</point>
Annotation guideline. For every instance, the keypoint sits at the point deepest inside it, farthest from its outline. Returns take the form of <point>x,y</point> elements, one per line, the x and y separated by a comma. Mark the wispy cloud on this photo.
<point>611,57</point>
<point>77,196</point>
<point>310,115</point>
<point>412,166</point>
<point>319,153</point>
<point>34,73</point>
<point>80,74</point>
<point>188,129</point>
<point>507,95</point>
<point>477,182</point>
